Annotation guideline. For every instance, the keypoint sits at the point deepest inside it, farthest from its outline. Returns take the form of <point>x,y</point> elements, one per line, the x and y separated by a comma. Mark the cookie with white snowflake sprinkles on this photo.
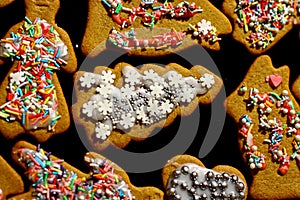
<point>259,25</point>
<point>53,178</point>
<point>11,182</point>
<point>122,104</point>
<point>268,122</point>
<point>31,98</point>
<point>186,177</point>
<point>296,88</point>
<point>160,27</point>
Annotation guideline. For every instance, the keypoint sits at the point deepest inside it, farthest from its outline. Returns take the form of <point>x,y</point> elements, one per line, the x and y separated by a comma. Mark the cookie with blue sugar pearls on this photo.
<point>115,106</point>
<point>268,126</point>
<point>105,179</point>
<point>186,177</point>
<point>152,28</point>
<point>31,98</point>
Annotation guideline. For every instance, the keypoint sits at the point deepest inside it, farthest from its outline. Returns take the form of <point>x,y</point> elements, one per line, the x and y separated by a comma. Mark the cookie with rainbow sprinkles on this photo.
<point>53,178</point>
<point>31,98</point>
<point>160,27</point>
<point>259,25</point>
<point>268,126</point>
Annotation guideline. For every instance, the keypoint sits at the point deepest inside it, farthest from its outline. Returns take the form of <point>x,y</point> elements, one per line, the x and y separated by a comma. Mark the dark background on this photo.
<point>233,61</point>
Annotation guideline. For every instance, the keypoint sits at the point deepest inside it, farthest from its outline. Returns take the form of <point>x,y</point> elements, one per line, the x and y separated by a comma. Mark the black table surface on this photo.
<point>232,61</point>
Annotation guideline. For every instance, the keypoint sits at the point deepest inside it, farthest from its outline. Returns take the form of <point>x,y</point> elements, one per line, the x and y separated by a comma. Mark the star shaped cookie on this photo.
<point>100,24</point>
<point>267,118</point>
<point>115,106</point>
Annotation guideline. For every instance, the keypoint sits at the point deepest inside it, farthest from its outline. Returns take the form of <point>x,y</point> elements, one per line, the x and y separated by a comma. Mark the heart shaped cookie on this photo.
<point>117,105</point>
<point>185,177</point>
<point>53,178</point>
<point>268,124</point>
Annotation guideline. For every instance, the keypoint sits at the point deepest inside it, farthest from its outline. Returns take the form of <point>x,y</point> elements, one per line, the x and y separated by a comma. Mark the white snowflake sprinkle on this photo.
<point>104,90</point>
<point>157,90</point>
<point>105,107</point>
<point>127,120</point>
<point>175,79</point>
<point>127,90</point>
<point>142,115</point>
<point>132,77</point>
<point>153,76</point>
<point>87,80</point>
<point>17,77</point>
<point>88,108</point>
<point>108,76</point>
<point>154,108</point>
<point>204,26</point>
<point>167,107</point>
<point>187,94</point>
<point>207,80</point>
<point>102,131</point>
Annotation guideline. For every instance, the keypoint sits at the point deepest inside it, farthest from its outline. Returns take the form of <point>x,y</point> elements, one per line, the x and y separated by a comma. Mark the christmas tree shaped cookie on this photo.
<point>52,178</point>
<point>165,25</point>
<point>117,105</point>
<point>268,122</point>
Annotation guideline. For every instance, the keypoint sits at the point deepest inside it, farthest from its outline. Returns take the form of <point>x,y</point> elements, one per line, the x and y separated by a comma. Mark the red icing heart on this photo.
<point>275,80</point>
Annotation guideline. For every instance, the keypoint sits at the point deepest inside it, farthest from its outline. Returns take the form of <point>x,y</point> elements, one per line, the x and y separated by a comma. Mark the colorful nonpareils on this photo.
<point>263,19</point>
<point>31,96</point>
<point>184,10</point>
<point>51,180</point>
<point>267,103</point>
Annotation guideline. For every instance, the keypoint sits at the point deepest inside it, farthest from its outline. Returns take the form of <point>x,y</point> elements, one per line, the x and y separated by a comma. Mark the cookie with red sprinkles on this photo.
<point>268,127</point>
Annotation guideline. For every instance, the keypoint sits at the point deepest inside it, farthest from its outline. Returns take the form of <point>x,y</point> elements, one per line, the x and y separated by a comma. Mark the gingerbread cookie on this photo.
<point>10,181</point>
<point>296,87</point>
<point>185,177</point>
<point>5,2</point>
<point>164,26</point>
<point>259,25</point>
<point>268,122</point>
<point>53,178</point>
<point>111,102</point>
<point>31,98</point>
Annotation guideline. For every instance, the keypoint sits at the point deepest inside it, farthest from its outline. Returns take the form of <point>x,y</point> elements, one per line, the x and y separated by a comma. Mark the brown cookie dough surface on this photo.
<point>138,192</point>
<point>276,176</point>
<point>137,132</point>
<point>100,23</point>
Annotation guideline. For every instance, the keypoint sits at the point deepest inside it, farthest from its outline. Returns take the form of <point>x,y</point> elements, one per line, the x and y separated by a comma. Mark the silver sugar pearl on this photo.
<point>234,178</point>
<point>192,190</point>
<point>218,176</point>
<point>172,191</point>
<point>194,174</point>
<point>232,195</point>
<point>223,194</point>
<point>224,184</point>
<point>209,175</point>
<point>185,169</point>
<point>184,185</point>
<point>214,184</point>
<point>226,176</point>
<point>242,195</point>
<point>240,186</point>
<point>215,194</point>
<point>197,197</point>
<point>177,173</point>
<point>177,196</point>
<point>174,182</point>
<point>204,196</point>
<point>196,183</point>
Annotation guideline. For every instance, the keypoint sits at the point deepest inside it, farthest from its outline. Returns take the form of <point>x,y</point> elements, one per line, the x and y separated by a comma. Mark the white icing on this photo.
<point>183,185</point>
<point>143,99</point>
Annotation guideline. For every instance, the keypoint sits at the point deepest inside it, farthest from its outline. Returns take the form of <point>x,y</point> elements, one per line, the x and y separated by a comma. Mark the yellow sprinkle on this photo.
<point>12,112</point>
<point>4,115</point>
<point>46,100</point>
<point>250,128</point>
<point>245,23</point>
